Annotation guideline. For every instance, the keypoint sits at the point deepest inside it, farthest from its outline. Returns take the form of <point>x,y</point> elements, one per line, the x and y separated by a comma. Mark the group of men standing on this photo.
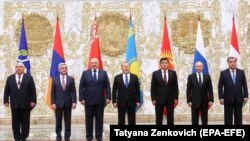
<point>95,93</point>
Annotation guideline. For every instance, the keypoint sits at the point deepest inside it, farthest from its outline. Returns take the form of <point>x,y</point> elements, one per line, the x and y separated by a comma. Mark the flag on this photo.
<point>57,58</point>
<point>95,49</point>
<point>165,49</point>
<point>166,52</point>
<point>23,50</point>
<point>131,57</point>
<point>199,54</point>
<point>234,47</point>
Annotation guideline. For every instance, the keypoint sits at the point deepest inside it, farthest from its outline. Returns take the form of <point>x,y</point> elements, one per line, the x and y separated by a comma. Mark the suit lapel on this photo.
<point>98,76</point>
<point>121,80</point>
<point>196,79</point>
<point>58,79</point>
<point>229,75</point>
<point>22,80</point>
<point>236,75</point>
<point>67,82</point>
<point>160,75</point>
<point>14,81</point>
<point>91,77</point>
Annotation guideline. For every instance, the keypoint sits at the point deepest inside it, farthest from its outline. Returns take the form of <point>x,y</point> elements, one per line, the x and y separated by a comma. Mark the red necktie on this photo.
<point>63,83</point>
<point>165,76</point>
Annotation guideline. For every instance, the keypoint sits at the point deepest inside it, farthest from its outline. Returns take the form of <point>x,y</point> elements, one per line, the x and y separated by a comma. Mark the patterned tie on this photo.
<point>126,80</point>
<point>19,82</point>
<point>95,78</point>
<point>234,76</point>
<point>200,83</point>
<point>63,83</point>
<point>165,76</point>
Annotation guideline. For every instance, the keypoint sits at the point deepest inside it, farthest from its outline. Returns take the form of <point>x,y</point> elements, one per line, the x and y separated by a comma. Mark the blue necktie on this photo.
<point>126,80</point>
<point>234,76</point>
<point>95,78</point>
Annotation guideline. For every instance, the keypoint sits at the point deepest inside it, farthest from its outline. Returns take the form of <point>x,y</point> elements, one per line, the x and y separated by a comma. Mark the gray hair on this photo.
<point>198,62</point>
<point>61,64</point>
<point>20,63</point>
<point>124,62</point>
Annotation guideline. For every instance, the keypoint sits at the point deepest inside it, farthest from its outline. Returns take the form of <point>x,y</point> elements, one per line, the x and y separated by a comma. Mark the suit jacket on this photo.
<point>199,94</point>
<point>22,97</point>
<point>94,92</point>
<point>229,91</point>
<point>162,92</point>
<point>62,97</point>
<point>122,95</point>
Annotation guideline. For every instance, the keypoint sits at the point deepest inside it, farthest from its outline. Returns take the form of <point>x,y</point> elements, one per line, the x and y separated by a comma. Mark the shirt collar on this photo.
<point>231,70</point>
<point>197,73</point>
<point>63,76</point>
<point>18,75</point>
<point>92,70</point>
<point>162,71</point>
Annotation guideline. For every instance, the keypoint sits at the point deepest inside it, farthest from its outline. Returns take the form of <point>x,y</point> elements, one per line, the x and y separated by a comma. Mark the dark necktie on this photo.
<point>126,80</point>
<point>200,83</point>
<point>234,76</point>
<point>19,82</point>
<point>63,83</point>
<point>95,78</point>
<point>165,76</point>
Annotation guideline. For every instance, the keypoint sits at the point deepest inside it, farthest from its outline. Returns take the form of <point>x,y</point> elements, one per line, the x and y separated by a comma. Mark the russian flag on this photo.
<point>57,58</point>
<point>199,54</point>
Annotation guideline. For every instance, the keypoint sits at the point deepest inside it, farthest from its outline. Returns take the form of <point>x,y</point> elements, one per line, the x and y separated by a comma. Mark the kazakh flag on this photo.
<point>131,57</point>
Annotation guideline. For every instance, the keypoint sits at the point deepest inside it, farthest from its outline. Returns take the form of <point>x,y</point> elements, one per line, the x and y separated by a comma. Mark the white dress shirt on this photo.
<point>95,72</point>
<point>17,78</point>
<point>124,77</point>
<point>162,72</point>
<point>63,77</point>
<point>197,74</point>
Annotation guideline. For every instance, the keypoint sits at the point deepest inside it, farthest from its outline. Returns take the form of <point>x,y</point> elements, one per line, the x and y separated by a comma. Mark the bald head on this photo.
<point>199,66</point>
<point>94,63</point>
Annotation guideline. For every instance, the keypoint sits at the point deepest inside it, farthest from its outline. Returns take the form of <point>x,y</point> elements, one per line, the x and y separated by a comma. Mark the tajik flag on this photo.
<point>234,47</point>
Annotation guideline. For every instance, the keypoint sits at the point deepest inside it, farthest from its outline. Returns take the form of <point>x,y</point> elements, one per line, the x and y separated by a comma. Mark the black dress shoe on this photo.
<point>67,139</point>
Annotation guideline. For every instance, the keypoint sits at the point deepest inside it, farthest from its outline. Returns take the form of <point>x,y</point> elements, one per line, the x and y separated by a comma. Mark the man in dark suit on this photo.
<point>126,95</point>
<point>164,92</point>
<point>63,98</point>
<point>232,88</point>
<point>20,93</point>
<point>199,94</point>
<point>94,94</point>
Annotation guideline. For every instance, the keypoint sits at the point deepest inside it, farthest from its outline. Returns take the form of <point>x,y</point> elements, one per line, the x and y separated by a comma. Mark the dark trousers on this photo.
<point>201,110</point>
<point>230,110</point>
<point>60,113</point>
<point>122,113</point>
<point>20,119</point>
<point>159,108</point>
<point>92,111</point>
